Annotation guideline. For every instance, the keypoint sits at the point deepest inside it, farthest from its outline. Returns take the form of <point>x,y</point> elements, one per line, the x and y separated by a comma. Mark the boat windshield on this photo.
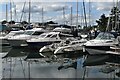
<point>19,33</point>
<point>105,36</point>
<point>43,35</point>
<point>29,32</point>
<point>10,34</point>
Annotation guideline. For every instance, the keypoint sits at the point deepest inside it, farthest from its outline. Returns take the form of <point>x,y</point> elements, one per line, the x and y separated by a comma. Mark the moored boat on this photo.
<point>20,40</point>
<point>47,39</point>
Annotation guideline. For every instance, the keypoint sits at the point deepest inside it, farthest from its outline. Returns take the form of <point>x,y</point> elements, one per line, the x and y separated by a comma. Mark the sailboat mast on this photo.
<point>22,11</point>
<point>42,17</point>
<point>29,12</point>
<point>64,15</point>
<point>10,10</point>
<point>89,13</point>
<point>14,11</point>
<point>77,17</point>
<point>71,18</point>
<point>116,15</point>
<point>84,13</point>
<point>6,12</point>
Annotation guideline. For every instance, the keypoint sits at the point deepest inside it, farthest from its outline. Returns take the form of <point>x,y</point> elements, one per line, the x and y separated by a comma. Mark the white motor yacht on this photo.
<point>73,43</point>
<point>47,39</point>
<point>20,40</point>
<point>4,40</point>
<point>100,44</point>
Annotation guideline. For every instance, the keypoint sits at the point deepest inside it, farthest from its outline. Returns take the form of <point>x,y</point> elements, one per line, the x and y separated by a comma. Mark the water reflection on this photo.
<point>72,65</point>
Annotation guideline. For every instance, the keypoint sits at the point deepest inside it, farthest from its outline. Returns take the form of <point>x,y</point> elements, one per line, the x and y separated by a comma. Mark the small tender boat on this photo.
<point>50,48</point>
<point>72,46</point>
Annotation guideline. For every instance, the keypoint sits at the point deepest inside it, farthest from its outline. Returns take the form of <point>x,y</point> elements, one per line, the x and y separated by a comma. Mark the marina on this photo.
<point>77,45</point>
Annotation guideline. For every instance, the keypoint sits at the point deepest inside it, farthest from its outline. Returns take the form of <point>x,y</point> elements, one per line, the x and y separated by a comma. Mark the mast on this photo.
<point>116,15</point>
<point>15,16</point>
<point>42,17</point>
<point>14,11</point>
<point>10,10</point>
<point>84,13</point>
<point>89,13</point>
<point>64,15</point>
<point>77,17</point>
<point>29,12</point>
<point>6,12</point>
<point>22,11</point>
<point>71,18</point>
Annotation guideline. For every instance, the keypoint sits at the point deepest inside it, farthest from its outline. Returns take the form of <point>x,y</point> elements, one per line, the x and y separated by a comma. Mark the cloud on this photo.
<point>103,6</point>
<point>67,20</point>
<point>54,11</point>
<point>37,7</point>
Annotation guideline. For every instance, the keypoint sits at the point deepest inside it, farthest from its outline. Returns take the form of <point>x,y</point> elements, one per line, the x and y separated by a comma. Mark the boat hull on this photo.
<point>45,49</point>
<point>41,44</point>
<point>4,42</point>
<point>101,47</point>
<point>95,51</point>
<point>17,43</point>
<point>94,60</point>
<point>68,49</point>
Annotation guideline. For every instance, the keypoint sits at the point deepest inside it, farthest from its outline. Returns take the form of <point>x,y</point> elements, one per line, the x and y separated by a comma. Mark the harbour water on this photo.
<point>18,63</point>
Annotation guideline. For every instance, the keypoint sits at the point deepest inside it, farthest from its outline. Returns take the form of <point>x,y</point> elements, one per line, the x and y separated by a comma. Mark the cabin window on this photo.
<point>49,35</point>
<point>28,32</point>
<point>18,33</point>
<point>37,33</point>
<point>42,35</point>
<point>105,36</point>
<point>54,36</point>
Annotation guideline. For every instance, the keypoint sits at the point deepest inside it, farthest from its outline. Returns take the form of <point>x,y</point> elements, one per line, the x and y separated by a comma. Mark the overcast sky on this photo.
<point>53,11</point>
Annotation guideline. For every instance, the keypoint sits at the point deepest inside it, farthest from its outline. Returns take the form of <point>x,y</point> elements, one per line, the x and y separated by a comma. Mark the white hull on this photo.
<point>45,49</point>
<point>63,49</point>
<point>95,51</point>
<point>113,52</point>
